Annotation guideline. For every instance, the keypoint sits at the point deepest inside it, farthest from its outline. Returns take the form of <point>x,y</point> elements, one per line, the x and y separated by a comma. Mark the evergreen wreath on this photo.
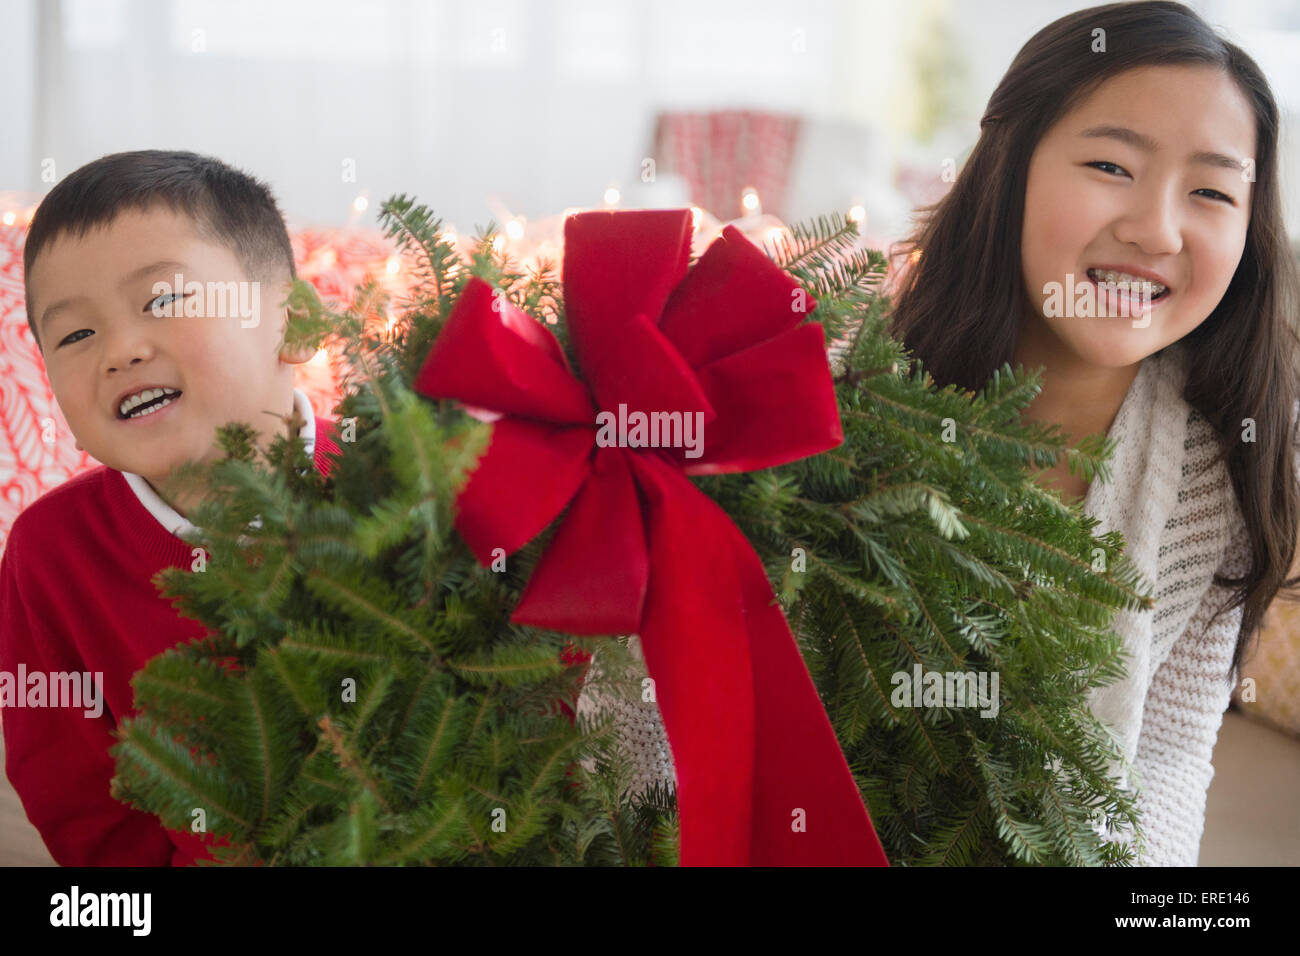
<point>363,698</point>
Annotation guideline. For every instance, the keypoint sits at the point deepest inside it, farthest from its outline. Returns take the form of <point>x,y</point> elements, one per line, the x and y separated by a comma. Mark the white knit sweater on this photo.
<point>1181,522</point>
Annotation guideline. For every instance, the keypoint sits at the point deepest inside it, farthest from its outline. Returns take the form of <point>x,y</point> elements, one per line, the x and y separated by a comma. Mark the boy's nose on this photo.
<point>126,349</point>
<point>131,362</point>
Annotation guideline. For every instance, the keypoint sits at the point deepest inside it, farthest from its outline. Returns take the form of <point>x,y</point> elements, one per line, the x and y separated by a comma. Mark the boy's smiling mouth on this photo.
<point>145,402</point>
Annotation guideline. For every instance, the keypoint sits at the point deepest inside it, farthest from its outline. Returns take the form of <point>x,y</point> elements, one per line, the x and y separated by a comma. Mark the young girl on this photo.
<point>1126,144</point>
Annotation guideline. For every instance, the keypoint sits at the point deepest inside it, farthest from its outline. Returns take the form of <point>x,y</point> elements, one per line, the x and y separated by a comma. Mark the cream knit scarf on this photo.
<point>1175,522</point>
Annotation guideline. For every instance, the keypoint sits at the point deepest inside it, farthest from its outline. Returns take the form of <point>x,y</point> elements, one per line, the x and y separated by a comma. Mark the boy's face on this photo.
<point>105,334</point>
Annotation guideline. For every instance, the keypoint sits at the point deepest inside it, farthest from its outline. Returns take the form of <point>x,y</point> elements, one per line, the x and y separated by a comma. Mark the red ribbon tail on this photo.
<point>761,779</point>
<point>697,654</point>
<point>808,810</point>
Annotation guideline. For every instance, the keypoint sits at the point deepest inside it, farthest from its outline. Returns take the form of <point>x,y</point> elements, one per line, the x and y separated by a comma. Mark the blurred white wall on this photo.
<point>18,97</point>
<point>541,105</point>
<point>526,107</point>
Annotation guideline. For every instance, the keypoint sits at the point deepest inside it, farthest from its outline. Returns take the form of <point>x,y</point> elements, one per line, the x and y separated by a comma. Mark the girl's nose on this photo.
<point>1153,222</point>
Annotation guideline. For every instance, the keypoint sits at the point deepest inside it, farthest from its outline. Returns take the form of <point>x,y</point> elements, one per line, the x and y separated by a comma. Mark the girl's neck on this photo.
<point>1082,398</point>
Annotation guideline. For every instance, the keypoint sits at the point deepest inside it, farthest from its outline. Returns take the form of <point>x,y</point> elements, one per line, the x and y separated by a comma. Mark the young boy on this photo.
<point>145,375</point>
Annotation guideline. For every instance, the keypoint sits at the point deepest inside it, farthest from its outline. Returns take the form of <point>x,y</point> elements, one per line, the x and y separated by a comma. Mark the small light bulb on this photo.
<point>612,196</point>
<point>749,199</point>
<point>515,229</point>
<point>393,265</point>
<point>360,203</point>
<point>857,214</point>
<point>498,243</point>
<point>9,218</point>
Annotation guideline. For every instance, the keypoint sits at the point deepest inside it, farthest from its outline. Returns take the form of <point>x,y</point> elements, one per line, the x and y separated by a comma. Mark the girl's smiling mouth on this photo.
<point>1128,283</point>
<point>1125,294</point>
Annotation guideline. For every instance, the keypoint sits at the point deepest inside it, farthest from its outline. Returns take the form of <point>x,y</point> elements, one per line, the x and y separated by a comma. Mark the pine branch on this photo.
<point>805,245</point>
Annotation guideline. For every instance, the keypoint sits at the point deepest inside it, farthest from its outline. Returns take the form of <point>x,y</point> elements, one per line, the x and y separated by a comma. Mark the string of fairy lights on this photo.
<point>514,227</point>
<point>534,246</point>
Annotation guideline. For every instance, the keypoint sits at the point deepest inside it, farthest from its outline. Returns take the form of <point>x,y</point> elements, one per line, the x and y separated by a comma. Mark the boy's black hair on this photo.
<point>228,206</point>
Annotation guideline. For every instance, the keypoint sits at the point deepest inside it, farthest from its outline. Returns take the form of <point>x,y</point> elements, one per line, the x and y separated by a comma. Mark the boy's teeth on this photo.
<point>148,395</point>
<point>1126,281</point>
<point>151,409</point>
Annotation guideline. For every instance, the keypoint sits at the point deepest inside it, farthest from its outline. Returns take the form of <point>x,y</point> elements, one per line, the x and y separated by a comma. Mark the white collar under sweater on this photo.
<point>174,521</point>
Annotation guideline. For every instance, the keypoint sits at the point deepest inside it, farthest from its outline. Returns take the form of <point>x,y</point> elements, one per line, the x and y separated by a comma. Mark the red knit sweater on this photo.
<point>76,595</point>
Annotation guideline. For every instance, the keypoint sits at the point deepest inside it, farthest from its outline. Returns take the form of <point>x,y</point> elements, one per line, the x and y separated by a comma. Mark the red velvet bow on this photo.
<point>760,776</point>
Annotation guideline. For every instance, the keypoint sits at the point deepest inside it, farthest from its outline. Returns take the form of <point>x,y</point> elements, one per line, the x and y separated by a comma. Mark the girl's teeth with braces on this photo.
<point>1124,281</point>
<point>147,395</point>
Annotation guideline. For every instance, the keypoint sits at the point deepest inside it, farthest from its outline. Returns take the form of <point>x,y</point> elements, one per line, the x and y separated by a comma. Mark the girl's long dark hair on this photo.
<point>960,301</point>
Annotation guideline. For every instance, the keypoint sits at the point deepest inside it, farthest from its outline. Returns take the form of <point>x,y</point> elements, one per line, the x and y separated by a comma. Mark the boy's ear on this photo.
<point>294,356</point>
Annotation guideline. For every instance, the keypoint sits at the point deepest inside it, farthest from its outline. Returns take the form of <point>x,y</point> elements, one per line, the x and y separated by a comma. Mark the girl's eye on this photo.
<point>1216,194</point>
<point>169,296</point>
<point>69,340</point>
<point>1228,199</point>
<point>1103,163</point>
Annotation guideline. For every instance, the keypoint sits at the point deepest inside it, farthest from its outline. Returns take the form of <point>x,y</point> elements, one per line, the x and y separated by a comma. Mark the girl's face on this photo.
<point>1153,171</point>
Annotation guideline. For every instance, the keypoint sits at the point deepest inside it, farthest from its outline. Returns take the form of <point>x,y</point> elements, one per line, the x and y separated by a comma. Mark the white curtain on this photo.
<point>472,106</point>
<point>526,107</point>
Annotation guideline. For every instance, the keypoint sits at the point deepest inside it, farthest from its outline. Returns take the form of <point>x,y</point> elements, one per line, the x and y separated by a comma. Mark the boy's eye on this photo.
<point>169,298</point>
<point>70,340</point>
